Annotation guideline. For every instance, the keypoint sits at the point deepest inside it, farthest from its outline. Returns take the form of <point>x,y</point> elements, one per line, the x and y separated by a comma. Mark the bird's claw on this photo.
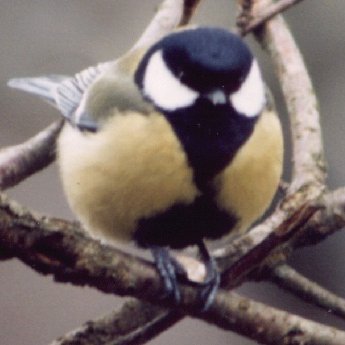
<point>170,271</point>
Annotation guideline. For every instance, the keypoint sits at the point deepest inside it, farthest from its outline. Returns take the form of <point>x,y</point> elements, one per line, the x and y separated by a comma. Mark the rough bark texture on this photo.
<point>307,214</point>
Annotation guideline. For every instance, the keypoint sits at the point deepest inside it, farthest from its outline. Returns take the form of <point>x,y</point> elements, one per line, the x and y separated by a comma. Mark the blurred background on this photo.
<point>62,37</point>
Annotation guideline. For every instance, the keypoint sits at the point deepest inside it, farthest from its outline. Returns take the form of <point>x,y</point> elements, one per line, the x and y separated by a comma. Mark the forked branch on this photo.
<point>58,247</point>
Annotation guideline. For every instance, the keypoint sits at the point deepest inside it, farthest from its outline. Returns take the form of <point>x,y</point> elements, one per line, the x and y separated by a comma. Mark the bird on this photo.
<point>171,145</point>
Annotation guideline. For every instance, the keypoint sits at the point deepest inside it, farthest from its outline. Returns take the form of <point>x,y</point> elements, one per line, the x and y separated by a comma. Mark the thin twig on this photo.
<point>249,23</point>
<point>21,161</point>
<point>267,325</point>
<point>190,7</point>
<point>289,279</point>
<point>294,334</point>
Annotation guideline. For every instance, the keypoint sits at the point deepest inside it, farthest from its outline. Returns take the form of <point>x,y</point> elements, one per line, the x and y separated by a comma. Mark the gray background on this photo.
<point>59,36</point>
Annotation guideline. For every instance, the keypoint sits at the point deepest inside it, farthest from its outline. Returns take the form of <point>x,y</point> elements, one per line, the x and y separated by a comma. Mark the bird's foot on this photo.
<point>170,272</point>
<point>209,287</point>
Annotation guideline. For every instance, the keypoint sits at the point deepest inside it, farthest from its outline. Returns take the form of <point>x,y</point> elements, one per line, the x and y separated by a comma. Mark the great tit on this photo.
<point>169,145</point>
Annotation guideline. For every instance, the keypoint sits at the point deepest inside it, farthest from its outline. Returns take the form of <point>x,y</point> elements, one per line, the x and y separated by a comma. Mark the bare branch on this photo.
<point>255,256</point>
<point>302,105</point>
<point>246,22</point>
<point>190,7</point>
<point>171,14</point>
<point>308,150</point>
<point>135,323</point>
<point>287,278</point>
<point>50,248</point>
<point>268,325</point>
<point>261,233</point>
<point>21,161</point>
<point>329,217</point>
<point>59,248</point>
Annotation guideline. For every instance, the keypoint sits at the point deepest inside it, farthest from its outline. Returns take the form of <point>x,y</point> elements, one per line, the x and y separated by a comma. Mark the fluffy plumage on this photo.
<point>169,145</point>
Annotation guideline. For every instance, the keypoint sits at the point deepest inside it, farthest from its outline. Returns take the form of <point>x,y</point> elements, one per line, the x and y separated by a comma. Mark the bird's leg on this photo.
<point>210,285</point>
<point>169,270</point>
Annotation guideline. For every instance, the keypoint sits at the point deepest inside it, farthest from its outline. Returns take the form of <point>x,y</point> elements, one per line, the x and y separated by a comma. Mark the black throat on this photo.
<point>211,135</point>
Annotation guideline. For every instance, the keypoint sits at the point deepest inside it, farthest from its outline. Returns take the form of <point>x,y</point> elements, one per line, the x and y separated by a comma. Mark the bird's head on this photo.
<point>201,64</point>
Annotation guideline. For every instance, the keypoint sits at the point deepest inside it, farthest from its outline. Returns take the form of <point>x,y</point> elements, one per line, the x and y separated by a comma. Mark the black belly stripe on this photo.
<point>184,225</point>
<point>210,137</point>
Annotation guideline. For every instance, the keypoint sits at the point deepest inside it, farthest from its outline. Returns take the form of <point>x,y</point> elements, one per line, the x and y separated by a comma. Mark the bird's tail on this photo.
<point>63,92</point>
<point>45,87</point>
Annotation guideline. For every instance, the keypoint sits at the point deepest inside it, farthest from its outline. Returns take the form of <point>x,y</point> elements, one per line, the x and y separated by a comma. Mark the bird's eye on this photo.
<point>164,89</point>
<point>250,99</point>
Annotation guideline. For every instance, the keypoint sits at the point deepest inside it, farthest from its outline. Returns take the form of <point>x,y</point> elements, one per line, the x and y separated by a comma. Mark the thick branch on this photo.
<point>57,247</point>
<point>21,161</point>
<point>171,14</point>
<point>45,245</point>
<point>135,323</point>
<point>326,220</point>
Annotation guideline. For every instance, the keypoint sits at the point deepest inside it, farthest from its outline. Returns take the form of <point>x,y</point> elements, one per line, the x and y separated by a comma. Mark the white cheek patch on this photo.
<point>163,88</point>
<point>250,98</point>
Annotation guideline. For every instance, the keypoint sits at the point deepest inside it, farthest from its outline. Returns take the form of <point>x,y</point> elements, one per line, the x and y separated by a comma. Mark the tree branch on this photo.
<point>135,323</point>
<point>246,22</point>
<point>53,252</point>
<point>171,14</point>
<point>51,246</point>
<point>326,222</point>
<point>289,279</point>
<point>21,161</point>
<point>268,325</point>
<point>302,105</point>
<point>329,217</point>
<point>254,257</point>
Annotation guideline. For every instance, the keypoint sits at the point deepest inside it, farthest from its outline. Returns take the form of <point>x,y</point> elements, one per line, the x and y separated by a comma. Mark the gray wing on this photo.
<point>63,92</point>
